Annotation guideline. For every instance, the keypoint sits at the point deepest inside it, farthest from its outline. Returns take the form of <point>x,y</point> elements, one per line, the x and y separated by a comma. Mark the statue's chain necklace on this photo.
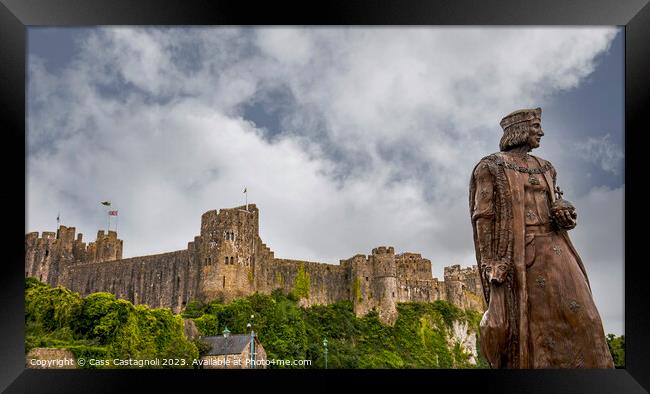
<point>516,167</point>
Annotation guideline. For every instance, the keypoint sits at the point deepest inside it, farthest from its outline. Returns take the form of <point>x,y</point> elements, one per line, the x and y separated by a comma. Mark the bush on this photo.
<point>101,326</point>
<point>52,308</point>
<point>617,349</point>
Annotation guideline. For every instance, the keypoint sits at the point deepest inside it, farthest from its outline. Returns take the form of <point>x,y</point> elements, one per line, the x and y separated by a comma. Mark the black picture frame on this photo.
<point>17,15</point>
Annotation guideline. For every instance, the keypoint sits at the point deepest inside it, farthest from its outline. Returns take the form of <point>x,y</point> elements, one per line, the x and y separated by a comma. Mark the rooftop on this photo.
<point>231,344</point>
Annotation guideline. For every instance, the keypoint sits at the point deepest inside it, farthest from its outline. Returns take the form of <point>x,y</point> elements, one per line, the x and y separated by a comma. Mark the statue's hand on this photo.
<point>566,218</point>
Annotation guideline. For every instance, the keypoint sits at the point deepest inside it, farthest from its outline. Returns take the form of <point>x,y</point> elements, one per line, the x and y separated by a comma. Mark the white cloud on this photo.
<point>603,153</point>
<point>376,146</point>
<point>598,238</point>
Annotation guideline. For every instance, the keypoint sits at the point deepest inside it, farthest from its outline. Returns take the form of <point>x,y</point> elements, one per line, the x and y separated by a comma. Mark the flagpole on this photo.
<point>108,217</point>
<point>246,197</point>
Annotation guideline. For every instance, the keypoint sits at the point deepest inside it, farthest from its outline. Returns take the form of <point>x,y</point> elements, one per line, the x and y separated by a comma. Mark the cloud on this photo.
<point>598,238</point>
<point>603,153</point>
<point>378,131</point>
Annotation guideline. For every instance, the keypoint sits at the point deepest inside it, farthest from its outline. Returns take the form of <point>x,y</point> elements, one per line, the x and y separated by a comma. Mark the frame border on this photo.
<point>17,15</point>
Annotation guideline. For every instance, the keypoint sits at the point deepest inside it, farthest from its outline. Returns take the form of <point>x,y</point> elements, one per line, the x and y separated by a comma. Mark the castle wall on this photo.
<point>163,280</point>
<point>421,290</point>
<point>413,266</point>
<point>463,287</point>
<point>328,282</point>
<point>228,260</point>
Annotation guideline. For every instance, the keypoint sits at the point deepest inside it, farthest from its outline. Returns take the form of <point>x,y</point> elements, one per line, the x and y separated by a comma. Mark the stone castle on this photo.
<point>228,260</point>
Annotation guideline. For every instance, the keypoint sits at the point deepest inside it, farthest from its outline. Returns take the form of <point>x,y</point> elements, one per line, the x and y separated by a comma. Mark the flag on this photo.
<point>107,203</point>
<point>58,218</point>
<point>112,213</point>
<point>244,190</point>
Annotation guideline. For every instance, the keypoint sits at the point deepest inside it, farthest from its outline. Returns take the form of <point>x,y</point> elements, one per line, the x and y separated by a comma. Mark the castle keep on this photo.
<point>228,260</point>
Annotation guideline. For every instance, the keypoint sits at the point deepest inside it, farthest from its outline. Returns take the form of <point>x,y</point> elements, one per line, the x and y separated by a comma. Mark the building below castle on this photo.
<point>228,260</point>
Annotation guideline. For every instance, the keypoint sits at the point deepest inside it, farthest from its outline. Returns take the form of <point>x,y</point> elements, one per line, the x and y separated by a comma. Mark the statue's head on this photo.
<point>522,128</point>
<point>495,271</point>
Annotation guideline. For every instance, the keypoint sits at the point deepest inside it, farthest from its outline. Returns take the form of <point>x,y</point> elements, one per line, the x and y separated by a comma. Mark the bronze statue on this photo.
<point>541,313</point>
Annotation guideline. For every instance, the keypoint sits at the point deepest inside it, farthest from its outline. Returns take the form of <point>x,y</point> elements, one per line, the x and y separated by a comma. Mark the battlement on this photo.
<point>383,250</point>
<point>101,234</point>
<point>228,259</point>
<point>452,270</point>
<point>408,256</point>
<point>455,272</point>
<point>63,233</point>
<point>226,223</point>
<point>31,237</point>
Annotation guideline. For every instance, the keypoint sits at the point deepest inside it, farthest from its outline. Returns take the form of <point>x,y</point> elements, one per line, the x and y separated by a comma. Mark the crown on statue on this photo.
<point>522,115</point>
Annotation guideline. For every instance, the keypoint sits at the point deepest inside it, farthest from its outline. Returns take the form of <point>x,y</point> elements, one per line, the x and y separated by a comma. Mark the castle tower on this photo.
<point>226,250</point>
<point>48,256</point>
<point>374,283</point>
<point>385,283</point>
<point>360,285</point>
<point>107,247</point>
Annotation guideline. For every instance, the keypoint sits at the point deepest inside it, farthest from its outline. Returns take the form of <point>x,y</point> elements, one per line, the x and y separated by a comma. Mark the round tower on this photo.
<point>226,252</point>
<point>385,283</point>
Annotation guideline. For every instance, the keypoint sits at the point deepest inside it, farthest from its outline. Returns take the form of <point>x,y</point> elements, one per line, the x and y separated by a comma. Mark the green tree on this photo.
<point>617,348</point>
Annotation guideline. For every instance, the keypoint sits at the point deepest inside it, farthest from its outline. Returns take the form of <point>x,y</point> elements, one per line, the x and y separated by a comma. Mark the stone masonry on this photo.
<point>228,260</point>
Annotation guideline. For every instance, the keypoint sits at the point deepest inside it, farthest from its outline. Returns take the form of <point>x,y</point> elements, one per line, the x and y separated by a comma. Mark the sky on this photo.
<point>346,138</point>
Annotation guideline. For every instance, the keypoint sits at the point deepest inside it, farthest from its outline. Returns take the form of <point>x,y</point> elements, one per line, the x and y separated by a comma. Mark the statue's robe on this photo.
<point>550,313</point>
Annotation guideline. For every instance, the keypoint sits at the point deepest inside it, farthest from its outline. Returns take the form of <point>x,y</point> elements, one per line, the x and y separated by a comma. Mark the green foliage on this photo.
<point>302,285</point>
<point>52,308</point>
<point>101,326</point>
<point>193,309</point>
<point>419,339</point>
<point>207,325</point>
<point>449,312</point>
<point>617,348</point>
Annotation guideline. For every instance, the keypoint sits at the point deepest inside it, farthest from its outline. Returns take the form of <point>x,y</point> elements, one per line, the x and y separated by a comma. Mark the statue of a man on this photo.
<point>541,313</point>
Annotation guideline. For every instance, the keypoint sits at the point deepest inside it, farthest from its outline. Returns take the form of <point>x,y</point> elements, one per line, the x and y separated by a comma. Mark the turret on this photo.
<point>227,251</point>
<point>385,283</point>
<point>107,247</point>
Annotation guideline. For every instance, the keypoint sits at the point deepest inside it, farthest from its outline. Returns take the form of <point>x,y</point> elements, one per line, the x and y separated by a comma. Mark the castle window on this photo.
<point>393,294</point>
<point>232,260</point>
<point>47,252</point>
<point>366,278</point>
<point>226,260</point>
<point>224,282</point>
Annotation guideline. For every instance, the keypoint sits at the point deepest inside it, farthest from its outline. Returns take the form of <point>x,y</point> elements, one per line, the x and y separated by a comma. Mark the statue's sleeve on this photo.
<point>483,209</point>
